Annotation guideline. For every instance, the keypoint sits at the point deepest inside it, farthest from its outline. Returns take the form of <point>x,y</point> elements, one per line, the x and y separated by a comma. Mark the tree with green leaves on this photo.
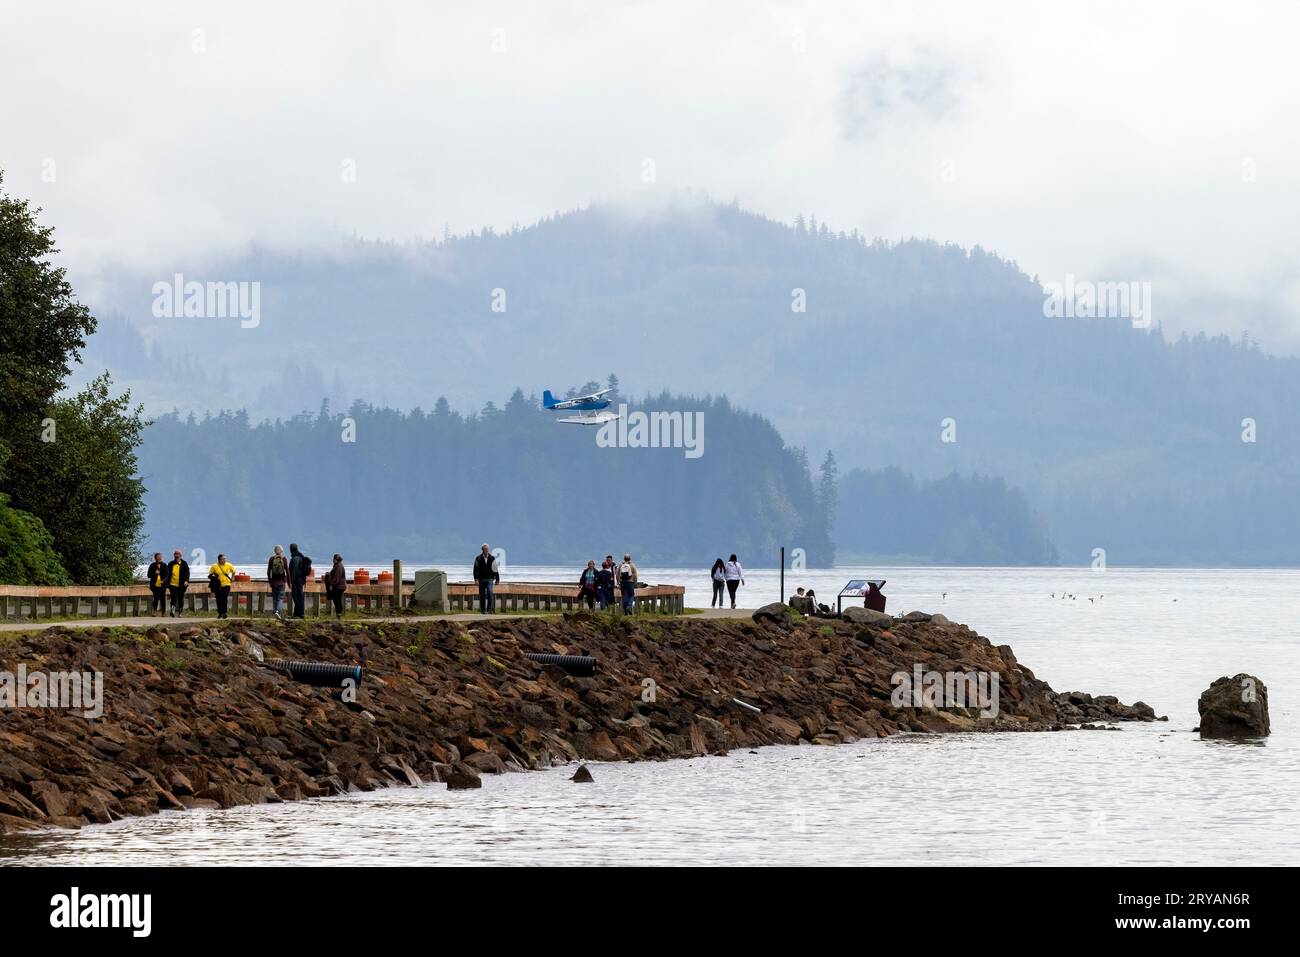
<point>70,501</point>
<point>27,553</point>
<point>83,484</point>
<point>42,327</point>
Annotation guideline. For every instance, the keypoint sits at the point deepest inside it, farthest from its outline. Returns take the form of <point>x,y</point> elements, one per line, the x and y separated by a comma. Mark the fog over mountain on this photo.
<point>915,354</point>
<point>1098,139</point>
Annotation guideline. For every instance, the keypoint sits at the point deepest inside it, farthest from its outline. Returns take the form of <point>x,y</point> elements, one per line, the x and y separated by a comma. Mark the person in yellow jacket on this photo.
<point>157,576</point>
<point>220,577</point>
<point>177,579</point>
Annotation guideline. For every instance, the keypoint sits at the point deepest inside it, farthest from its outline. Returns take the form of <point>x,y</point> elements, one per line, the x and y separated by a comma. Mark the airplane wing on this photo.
<point>588,398</point>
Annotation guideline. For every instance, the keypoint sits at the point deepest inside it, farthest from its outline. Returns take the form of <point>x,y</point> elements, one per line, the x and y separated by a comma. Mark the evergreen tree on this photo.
<point>70,502</point>
<point>828,487</point>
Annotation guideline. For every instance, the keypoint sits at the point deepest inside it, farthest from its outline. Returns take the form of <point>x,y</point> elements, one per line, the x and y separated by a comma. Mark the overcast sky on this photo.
<point>1151,141</point>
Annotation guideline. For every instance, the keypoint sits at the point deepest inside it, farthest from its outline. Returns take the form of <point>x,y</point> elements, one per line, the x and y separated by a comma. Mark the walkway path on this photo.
<point>147,622</point>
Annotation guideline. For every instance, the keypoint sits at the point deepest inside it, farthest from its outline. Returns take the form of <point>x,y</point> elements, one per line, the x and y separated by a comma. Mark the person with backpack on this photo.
<point>157,578</point>
<point>486,576</point>
<point>336,583</point>
<point>220,577</point>
<point>299,574</point>
<point>277,576</point>
<point>177,578</point>
<point>718,575</point>
<point>605,583</point>
<point>589,584</point>
<point>735,576</point>
<point>627,583</point>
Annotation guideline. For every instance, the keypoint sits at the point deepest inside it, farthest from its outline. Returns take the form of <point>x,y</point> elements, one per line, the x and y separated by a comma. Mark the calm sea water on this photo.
<point>1148,794</point>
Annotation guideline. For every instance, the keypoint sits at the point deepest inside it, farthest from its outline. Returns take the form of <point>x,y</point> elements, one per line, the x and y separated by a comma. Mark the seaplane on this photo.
<point>591,409</point>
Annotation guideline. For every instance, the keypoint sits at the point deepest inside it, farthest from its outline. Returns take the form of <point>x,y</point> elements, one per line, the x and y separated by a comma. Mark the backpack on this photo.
<point>304,566</point>
<point>278,567</point>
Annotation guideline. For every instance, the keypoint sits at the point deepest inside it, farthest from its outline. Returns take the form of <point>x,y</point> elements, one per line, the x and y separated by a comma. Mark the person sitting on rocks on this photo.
<point>799,602</point>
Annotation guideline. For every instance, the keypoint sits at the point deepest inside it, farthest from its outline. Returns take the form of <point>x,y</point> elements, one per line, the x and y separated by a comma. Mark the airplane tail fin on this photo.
<point>548,400</point>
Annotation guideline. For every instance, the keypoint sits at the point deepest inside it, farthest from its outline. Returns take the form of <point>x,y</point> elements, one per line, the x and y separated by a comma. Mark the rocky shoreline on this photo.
<point>195,718</point>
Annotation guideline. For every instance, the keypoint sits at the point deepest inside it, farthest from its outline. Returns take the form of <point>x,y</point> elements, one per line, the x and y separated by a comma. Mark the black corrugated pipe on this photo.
<point>320,673</point>
<point>580,666</point>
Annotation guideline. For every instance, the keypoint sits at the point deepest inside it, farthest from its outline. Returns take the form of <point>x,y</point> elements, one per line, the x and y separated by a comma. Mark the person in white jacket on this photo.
<point>718,574</point>
<point>735,577</point>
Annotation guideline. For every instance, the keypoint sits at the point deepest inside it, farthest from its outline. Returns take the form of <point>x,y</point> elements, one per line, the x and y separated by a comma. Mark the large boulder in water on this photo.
<point>462,776</point>
<point>867,616</point>
<point>1235,707</point>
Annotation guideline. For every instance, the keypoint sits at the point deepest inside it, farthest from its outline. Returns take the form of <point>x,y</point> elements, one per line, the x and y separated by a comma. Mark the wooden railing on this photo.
<point>34,602</point>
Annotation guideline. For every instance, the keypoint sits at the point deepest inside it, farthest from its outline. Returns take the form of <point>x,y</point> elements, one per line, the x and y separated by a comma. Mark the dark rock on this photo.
<point>180,784</point>
<point>582,775</point>
<point>195,802</point>
<point>462,777</point>
<point>47,795</point>
<point>867,616</point>
<point>485,762</point>
<point>776,614</point>
<point>1235,707</point>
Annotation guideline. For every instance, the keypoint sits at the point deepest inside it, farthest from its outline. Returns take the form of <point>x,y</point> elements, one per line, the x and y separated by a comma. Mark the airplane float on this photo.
<point>591,409</point>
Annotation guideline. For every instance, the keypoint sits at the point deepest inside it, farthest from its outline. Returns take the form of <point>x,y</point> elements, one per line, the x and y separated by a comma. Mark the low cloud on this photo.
<point>884,94</point>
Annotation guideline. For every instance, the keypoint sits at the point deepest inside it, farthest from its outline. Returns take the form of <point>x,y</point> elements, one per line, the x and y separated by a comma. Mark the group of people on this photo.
<point>806,602</point>
<point>728,575</point>
<point>596,586</point>
<point>169,581</point>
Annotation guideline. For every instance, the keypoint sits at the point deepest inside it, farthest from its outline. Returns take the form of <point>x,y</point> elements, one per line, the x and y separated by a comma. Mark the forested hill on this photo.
<point>1121,439</point>
<point>377,483</point>
<point>954,520</point>
<point>431,485</point>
